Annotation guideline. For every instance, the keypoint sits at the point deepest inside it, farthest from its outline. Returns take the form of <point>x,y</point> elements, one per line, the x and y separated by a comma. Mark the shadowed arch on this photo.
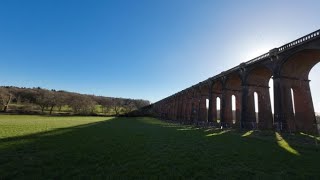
<point>204,88</point>
<point>232,86</point>
<point>294,74</point>
<point>180,106</point>
<point>259,76</point>
<point>233,82</point>
<point>184,106</point>
<point>258,81</point>
<point>217,87</point>
<point>193,104</point>
<point>300,64</point>
<point>216,92</point>
<point>204,95</point>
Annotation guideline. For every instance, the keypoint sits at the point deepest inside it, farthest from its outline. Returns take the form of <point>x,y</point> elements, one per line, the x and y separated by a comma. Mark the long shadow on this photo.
<point>148,148</point>
<point>34,136</point>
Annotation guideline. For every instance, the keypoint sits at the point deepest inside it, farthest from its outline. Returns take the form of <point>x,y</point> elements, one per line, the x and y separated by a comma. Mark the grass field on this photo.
<point>43,147</point>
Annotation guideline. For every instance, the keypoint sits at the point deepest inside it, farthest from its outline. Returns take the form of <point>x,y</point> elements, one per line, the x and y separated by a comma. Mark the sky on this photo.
<point>142,49</point>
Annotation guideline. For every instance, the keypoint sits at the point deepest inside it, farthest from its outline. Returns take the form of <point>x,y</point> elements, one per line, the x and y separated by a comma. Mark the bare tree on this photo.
<point>44,98</point>
<point>61,99</point>
<point>106,104</point>
<point>116,105</point>
<point>52,100</point>
<point>141,103</point>
<point>5,97</point>
<point>81,104</point>
<point>129,105</point>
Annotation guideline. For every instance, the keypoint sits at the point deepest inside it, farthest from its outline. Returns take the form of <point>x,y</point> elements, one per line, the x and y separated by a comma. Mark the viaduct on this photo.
<point>288,66</point>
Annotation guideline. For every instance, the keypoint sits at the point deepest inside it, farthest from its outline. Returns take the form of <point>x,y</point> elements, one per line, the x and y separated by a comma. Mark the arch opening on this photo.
<point>293,104</point>
<point>207,109</point>
<point>256,106</point>
<point>271,94</point>
<point>204,101</point>
<point>218,103</point>
<point>297,71</point>
<point>260,97</point>
<point>233,108</point>
<point>315,92</point>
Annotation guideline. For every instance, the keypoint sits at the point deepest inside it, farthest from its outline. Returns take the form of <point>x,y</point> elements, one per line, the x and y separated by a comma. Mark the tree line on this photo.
<point>52,101</point>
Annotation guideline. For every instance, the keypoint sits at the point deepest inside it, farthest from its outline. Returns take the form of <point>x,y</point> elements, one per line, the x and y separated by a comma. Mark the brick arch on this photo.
<point>216,92</point>
<point>300,64</point>
<point>189,92</point>
<point>294,74</point>
<point>217,86</point>
<point>258,82</point>
<point>188,105</point>
<point>204,88</point>
<point>192,104</point>
<point>232,86</point>
<point>178,113</point>
<point>233,81</point>
<point>259,76</point>
<point>206,94</point>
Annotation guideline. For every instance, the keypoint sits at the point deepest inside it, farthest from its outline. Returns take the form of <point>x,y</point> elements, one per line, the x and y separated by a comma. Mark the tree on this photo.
<point>141,103</point>
<point>129,105</point>
<point>116,105</point>
<point>43,98</point>
<point>52,100</point>
<point>5,97</point>
<point>106,104</point>
<point>81,104</point>
<point>61,99</point>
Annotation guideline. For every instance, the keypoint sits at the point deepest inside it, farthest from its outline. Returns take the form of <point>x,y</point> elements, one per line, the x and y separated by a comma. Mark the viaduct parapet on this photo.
<point>288,66</point>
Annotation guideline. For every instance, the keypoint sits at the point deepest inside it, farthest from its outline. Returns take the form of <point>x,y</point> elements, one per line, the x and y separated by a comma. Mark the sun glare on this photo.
<point>248,133</point>
<point>284,144</point>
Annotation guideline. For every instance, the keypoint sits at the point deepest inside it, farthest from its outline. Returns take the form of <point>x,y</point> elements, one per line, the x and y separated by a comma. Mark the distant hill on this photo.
<point>38,100</point>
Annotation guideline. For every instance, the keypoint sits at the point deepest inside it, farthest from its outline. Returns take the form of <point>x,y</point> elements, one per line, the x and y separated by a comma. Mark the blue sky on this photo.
<point>142,49</point>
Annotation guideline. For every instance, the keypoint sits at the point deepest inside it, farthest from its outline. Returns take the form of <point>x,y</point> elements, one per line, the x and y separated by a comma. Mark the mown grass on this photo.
<point>42,147</point>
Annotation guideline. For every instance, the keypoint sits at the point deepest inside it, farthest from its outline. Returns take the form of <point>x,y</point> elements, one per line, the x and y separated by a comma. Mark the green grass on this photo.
<point>43,147</point>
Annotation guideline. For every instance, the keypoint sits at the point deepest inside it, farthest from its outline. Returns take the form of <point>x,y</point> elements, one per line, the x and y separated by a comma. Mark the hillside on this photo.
<point>43,101</point>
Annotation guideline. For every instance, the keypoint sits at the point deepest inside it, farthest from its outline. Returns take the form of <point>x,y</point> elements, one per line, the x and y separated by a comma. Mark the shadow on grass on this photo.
<point>149,148</point>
